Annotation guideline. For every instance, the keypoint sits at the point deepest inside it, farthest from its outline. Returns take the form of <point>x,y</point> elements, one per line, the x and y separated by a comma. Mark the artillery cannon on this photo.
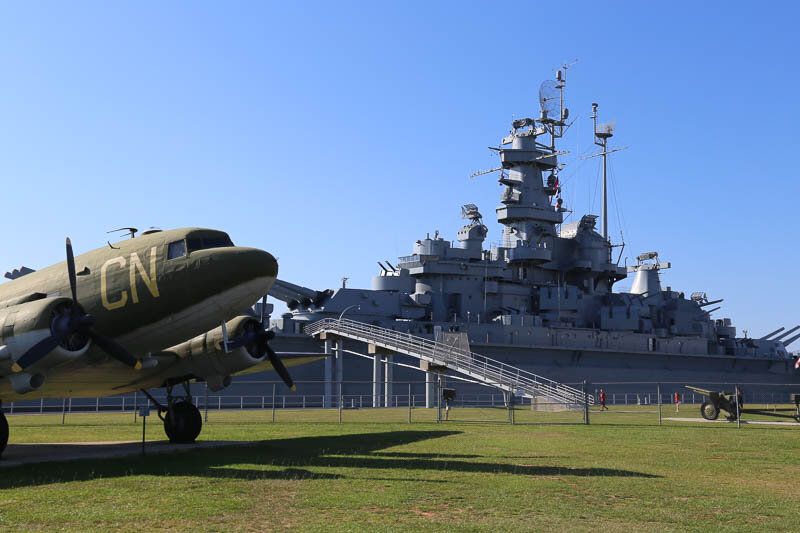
<point>733,404</point>
<point>720,401</point>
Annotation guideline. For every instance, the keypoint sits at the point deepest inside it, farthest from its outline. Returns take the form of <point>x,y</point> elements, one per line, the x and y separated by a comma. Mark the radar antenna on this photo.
<point>470,212</point>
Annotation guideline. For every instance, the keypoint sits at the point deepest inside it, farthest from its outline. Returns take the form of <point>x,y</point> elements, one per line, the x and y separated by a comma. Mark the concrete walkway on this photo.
<point>722,420</point>
<point>20,454</point>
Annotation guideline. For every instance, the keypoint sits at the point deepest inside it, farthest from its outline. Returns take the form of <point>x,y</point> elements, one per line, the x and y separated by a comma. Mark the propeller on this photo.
<point>71,321</point>
<point>257,338</point>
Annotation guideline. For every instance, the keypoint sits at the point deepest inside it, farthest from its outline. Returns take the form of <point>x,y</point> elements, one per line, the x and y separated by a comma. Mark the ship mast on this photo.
<point>602,133</point>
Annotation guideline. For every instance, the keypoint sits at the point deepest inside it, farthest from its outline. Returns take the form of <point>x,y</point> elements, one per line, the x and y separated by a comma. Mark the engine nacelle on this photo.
<point>24,325</point>
<point>204,356</point>
<point>25,382</point>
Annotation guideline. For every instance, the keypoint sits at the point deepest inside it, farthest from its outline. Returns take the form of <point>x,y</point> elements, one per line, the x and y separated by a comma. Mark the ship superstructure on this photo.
<point>544,296</point>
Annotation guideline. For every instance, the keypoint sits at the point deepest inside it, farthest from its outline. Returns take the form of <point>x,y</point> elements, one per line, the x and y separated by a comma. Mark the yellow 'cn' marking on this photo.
<point>104,285</point>
<point>149,279</point>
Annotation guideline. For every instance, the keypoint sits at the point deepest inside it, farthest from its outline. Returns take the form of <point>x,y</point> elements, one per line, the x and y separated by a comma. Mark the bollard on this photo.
<point>273,402</point>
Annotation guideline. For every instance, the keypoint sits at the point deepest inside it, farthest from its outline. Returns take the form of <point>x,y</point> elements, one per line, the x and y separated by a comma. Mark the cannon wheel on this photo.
<point>709,411</point>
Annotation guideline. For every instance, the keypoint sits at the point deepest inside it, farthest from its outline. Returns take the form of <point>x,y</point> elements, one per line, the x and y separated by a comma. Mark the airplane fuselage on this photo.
<point>152,291</point>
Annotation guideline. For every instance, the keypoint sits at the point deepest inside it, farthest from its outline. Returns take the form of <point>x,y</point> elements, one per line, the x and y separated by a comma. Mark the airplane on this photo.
<point>136,315</point>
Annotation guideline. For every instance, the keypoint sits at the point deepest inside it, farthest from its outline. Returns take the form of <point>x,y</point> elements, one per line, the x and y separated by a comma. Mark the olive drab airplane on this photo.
<point>157,310</point>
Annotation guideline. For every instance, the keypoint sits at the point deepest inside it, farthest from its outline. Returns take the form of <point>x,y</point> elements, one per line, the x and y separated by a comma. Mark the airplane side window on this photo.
<point>176,249</point>
<point>209,242</point>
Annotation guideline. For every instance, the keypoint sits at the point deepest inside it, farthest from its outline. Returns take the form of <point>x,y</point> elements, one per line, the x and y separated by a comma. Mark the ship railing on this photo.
<point>487,370</point>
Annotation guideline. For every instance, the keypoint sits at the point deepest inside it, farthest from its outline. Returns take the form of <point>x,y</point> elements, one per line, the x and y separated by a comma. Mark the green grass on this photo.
<point>376,472</point>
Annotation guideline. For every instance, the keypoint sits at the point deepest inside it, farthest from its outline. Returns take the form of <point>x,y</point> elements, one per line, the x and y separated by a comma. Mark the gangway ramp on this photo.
<point>483,369</point>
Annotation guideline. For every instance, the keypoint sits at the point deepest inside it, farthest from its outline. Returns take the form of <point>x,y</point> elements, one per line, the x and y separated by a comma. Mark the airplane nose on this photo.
<point>253,263</point>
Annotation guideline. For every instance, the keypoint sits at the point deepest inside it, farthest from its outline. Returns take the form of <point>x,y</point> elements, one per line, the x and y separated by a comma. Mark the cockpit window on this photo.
<point>209,242</point>
<point>176,249</point>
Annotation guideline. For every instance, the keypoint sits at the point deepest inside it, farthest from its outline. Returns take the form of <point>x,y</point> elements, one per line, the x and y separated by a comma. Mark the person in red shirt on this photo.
<point>677,402</point>
<point>603,400</point>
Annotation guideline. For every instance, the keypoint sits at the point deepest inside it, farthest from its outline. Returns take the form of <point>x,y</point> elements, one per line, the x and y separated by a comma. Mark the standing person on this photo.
<point>603,400</point>
<point>677,402</point>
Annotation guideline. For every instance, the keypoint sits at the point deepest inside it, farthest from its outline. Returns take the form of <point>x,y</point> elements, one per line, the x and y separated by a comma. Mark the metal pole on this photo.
<point>409,403</point>
<point>135,404</point>
<point>340,403</point>
<point>144,430</point>
<point>205,403</point>
<point>273,402</point>
<point>585,404</point>
<point>738,411</point>
<point>439,398</point>
<point>605,195</point>
<point>64,411</point>
<point>658,390</point>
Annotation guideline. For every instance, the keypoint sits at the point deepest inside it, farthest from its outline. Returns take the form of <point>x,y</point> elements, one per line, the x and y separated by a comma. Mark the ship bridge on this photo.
<point>510,379</point>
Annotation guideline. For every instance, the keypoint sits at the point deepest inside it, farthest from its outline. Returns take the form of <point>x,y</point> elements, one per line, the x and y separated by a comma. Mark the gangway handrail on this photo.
<point>486,369</point>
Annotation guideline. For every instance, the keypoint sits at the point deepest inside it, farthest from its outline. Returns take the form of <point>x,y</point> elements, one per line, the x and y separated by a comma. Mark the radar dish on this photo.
<point>550,100</point>
<point>607,127</point>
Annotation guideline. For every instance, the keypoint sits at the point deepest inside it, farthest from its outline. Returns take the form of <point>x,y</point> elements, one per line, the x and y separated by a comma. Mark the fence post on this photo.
<point>205,403</point>
<point>273,402</point>
<point>340,403</point>
<point>738,411</point>
<point>585,404</point>
<point>409,403</point>
<point>135,404</point>
<point>658,391</point>
<point>64,411</point>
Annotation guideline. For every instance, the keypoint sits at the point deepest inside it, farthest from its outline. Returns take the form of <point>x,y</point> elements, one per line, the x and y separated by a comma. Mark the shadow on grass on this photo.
<point>293,458</point>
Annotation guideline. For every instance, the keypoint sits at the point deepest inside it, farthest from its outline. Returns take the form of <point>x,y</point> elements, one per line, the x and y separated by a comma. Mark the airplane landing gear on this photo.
<point>182,420</point>
<point>3,432</point>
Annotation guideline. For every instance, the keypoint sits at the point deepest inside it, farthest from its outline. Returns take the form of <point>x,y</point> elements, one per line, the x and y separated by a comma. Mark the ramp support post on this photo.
<point>339,364</point>
<point>376,380</point>
<point>328,383</point>
<point>387,384</point>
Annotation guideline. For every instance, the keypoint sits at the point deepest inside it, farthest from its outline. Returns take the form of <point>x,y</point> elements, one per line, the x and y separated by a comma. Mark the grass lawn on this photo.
<point>377,472</point>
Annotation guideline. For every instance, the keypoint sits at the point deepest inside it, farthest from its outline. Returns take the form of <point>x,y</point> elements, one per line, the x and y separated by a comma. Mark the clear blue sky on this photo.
<point>336,134</point>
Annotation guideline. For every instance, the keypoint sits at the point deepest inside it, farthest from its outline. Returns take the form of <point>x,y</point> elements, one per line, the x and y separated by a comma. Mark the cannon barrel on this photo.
<point>712,302</point>
<point>786,333</point>
<point>790,341</point>
<point>285,291</point>
<point>768,335</point>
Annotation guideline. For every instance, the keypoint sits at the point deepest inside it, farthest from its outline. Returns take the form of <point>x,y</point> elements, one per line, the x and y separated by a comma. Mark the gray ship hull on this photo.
<point>615,371</point>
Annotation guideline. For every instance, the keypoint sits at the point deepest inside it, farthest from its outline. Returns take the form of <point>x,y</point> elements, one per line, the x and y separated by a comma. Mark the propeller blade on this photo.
<point>115,350</point>
<point>72,279</point>
<point>225,337</point>
<point>263,305</point>
<point>278,366</point>
<point>37,351</point>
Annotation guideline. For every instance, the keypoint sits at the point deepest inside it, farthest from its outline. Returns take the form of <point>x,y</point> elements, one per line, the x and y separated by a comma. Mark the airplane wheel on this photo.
<point>183,423</point>
<point>709,411</point>
<point>3,432</point>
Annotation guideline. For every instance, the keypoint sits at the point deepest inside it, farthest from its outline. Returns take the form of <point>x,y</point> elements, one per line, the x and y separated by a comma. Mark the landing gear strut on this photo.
<point>182,420</point>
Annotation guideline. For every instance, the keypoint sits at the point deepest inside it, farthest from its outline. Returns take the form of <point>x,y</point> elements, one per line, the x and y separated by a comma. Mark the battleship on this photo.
<point>543,299</point>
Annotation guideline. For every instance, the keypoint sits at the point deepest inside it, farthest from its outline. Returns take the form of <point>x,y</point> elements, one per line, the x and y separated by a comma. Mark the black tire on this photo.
<point>709,411</point>
<point>183,423</point>
<point>3,432</point>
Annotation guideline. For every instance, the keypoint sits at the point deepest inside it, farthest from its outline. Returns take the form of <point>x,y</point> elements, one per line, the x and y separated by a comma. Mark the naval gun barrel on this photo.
<point>768,335</point>
<point>786,333</point>
<point>712,302</point>
<point>790,341</point>
<point>294,294</point>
